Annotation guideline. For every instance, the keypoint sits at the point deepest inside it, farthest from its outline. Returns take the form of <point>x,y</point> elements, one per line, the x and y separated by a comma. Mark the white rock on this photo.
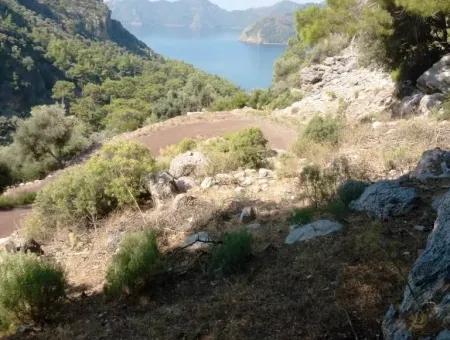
<point>208,182</point>
<point>312,230</point>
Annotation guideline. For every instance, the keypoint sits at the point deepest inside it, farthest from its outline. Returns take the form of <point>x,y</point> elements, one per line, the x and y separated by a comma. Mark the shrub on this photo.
<point>302,216</point>
<point>171,151</point>
<point>134,266</point>
<point>231,256</point>
<point>337,208</point>
<point>5,176</point>
<point>30,288</point>
<point>323,130</point>
<point>247,148</point>
<point>319,184</point>
<point>110,179</point>
<point>22,199</point>
<point>351,190</point>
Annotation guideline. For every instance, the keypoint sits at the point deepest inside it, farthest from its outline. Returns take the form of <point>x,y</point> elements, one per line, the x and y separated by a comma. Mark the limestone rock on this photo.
<point>191,163</point>
<point>430,102</point>
<point>386,199</point>
<point>312,230</point>
<point>185,184</point>
<point>437,78</point>
<point>197,241</point>
<point>161,186</point>
<point>428,281</point>
<point>208,182</point>
<point>434,166</point>
<point>408,105</point>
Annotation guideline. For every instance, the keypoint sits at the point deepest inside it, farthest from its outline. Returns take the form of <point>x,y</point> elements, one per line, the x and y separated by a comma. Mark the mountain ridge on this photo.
<point>141,16</point>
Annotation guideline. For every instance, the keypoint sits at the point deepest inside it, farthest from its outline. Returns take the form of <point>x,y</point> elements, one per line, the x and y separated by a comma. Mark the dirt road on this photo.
<point>161,135</point>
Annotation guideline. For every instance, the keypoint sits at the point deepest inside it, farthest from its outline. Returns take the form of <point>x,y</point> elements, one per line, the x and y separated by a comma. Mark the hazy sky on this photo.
<point>243,4</point>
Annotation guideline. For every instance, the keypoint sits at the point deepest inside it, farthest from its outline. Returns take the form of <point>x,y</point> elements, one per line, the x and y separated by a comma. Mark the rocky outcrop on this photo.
<point>338,84</point>
<point>386,199</point>
<point>161,186</point>
<point>191,163</point>
<point>437,78</point>
<point>312,230</point>
<point>428,289</point>
<point>433,168</point>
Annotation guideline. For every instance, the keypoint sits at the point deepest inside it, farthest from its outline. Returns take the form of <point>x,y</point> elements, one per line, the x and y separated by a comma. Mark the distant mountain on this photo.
<point>270,30</point>
<point>143,16</point>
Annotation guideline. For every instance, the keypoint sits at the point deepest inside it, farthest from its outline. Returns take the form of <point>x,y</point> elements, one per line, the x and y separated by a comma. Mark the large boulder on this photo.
<point>191,163</point>
<point>408,105</point>
<point>312,230</point>
<point>161,186</point>
<point>428,288</point>
<point>434,166</point>
<point>386,199</point>
<point>430,102</point>
<point>437,78</point>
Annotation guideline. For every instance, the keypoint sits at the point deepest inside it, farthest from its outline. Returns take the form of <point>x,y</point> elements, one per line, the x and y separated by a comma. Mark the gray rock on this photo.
<point>7,245</point>
<point>429,278</point>
<point>437,78</point>
<point>182,201</point>
<point>430,102</point>
<point>444,335</point>
<point>408,105</point>
<point>386,199</point>
<point>248,214</point>
<point>394,328</point>
<point>191,163</point>
<point>197,241</point>
<point>161,186</point>
<point>434,166</point>
<point>264,173</point>
<point>185,184</point>
<point>312,230</point>
<point>254,226</point>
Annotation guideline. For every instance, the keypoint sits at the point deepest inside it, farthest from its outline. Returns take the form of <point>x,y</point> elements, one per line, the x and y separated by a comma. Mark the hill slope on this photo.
<point>270,30</point>
<point>44,41</point>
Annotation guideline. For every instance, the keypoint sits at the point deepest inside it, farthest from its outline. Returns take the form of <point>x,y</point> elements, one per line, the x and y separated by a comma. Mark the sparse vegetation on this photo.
<point>302,216</point>
<point>246,149</point>
<point>351,190</point>
<point>231,256</point>
<point>30,289</point>
<point>109,180</point>
<point>135,265</point>
<point>18,200</point>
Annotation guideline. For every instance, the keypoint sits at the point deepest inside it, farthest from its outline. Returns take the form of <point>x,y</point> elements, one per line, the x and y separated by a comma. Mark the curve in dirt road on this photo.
<point>170,132</point>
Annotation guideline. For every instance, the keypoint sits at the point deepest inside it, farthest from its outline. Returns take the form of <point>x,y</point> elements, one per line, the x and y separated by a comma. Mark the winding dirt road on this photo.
<point>158,136</point>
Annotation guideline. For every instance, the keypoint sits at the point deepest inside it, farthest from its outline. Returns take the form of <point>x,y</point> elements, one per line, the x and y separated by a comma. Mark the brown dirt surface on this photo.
<point>172,131</point>
<point>10,220</point>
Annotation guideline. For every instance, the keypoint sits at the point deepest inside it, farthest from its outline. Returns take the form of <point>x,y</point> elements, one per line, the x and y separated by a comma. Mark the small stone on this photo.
<point>247,182</point>
<point>312,230</point>
<point>197,241</point>
<point>263,173</point>
<point>419,228</point>
<point>208,182</point>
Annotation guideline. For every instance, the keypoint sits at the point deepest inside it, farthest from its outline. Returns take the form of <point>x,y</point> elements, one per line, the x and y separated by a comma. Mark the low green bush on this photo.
<point>134,266</point>
<point>351,190</point>
<point>231,256</point>
<point>19,200</point>
<point>30,289</point>
<point>302,216</point>
<point>323,130</point>
<point>246,149</point>
<point>111,179</point>
<point>319,184</point>
<point>337,208</point>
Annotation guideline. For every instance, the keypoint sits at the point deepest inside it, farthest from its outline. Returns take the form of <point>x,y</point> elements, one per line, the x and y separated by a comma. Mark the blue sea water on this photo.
<point>221,53</point>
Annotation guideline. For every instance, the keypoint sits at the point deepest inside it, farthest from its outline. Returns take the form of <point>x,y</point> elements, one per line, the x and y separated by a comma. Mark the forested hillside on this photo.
<point>73,54</point>
<point>271,30</point>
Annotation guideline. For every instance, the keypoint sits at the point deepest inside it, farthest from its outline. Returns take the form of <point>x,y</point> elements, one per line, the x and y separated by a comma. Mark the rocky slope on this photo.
<point>339,84</point>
